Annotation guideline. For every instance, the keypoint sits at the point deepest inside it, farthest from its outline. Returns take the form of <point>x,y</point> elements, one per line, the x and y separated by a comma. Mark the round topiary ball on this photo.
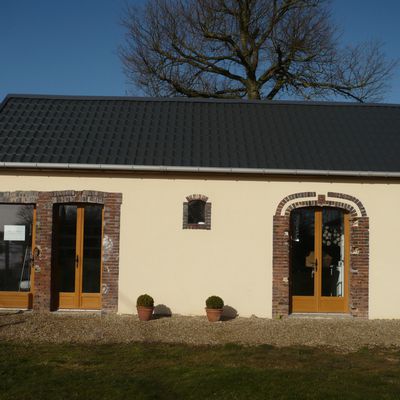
<point>144,300</point>
<point>214,302</point>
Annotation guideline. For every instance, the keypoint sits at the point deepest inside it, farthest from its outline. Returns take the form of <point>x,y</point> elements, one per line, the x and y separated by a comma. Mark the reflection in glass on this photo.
<point>92,249</point>
<point>66,240</point>
<point>302,225</point>
<point>15,248</point>
<point>332,252</point>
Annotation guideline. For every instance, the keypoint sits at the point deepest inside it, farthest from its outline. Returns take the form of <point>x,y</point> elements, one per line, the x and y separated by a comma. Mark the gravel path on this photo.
<point>341,334</point>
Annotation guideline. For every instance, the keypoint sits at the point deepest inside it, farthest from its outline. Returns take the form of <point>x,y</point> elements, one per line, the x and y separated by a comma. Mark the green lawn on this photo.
<point>159,371</point>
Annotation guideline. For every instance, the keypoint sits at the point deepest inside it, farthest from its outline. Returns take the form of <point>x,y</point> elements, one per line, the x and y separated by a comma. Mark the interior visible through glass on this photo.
<point>302,231</point>
<point>66,251</point>
<point>196,212</point>
<point>332,253</point>
<point>92,249</point>
<point>16,225</point>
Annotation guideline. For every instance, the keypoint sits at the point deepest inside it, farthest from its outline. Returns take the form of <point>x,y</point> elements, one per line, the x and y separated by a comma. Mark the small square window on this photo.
<point>196,214</point>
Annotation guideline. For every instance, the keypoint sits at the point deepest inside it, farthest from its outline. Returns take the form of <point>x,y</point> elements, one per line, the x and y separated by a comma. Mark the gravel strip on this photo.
<point>340,334</point>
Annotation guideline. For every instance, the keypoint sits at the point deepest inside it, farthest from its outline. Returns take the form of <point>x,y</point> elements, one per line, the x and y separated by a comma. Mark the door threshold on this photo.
<point>4,310</point>
<point>321,315</point>
<point>76,311</point>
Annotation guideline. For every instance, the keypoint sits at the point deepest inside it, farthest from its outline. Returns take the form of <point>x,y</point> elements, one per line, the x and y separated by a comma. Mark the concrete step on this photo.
<point>321,315</point>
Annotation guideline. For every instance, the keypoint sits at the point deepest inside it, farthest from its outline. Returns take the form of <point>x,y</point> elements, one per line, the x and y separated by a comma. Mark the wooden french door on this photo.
<point>319,259</point>
<point>78,256</point>
<point>17,241</point>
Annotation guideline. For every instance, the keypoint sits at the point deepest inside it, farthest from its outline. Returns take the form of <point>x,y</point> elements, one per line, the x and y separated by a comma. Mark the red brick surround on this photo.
<point>207,224</point>
<point>44,202</point>
<point>359,249</point>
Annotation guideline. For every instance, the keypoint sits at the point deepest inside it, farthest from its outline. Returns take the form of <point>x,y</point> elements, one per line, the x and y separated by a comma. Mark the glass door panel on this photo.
<point>92,238</point>
<point>66,254</point>
<point>303,251</point>
<point>333,252</point>
<point>17,227</point>
<point>16,231</point>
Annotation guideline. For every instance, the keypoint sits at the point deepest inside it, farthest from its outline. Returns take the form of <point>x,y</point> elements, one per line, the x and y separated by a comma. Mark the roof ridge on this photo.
<point>194,100</point>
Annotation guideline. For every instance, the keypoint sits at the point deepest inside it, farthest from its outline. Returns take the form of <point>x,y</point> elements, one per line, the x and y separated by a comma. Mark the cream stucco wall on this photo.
<point>180,268</point>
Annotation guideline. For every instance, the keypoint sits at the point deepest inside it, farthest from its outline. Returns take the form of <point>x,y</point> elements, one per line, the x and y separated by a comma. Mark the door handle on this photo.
<point>77,261</point>
<point>316,265</point>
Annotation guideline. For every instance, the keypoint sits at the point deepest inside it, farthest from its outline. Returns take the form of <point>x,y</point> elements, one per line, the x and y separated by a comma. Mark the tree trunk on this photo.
<point>253,91</point>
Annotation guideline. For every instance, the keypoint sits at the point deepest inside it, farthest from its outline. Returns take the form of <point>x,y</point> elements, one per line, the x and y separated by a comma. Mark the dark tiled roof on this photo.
<point>200,133</point>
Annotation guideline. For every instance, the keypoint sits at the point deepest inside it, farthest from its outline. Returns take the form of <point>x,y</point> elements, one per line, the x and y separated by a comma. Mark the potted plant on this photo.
<point>145,307</point>
<point>214,305</point>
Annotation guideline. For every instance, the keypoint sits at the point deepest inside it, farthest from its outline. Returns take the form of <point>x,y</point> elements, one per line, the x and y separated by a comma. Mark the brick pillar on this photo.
<point>112,217</point>
<point>42,279</point>
<point>280,274</point>
<point>359,271</point>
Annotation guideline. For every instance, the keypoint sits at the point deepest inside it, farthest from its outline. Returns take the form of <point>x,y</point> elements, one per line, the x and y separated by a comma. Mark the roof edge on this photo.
<point>3,102</point>
<point>161,168</point>
<point>194,100</point>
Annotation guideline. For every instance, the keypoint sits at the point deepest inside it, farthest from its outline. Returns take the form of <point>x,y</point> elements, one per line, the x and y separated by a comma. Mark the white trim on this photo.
<point>161,168</point>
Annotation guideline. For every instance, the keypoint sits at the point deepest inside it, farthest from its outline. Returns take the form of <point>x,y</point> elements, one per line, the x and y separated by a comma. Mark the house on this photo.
<point>278,207</point>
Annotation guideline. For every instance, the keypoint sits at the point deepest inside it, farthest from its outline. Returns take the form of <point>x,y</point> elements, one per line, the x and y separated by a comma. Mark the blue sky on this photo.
<point>70,46</point>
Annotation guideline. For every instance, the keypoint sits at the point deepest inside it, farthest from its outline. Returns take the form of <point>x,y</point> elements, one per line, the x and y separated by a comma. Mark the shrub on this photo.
<point>214,302</point>
<point>144,300</point>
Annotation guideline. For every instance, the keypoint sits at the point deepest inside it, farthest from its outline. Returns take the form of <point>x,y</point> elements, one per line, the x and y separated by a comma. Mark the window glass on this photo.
<point>302,232</point>
<point>92,249</point>
<point>196,212</point>
<point>333,252</point>
<point>16,224</point>
<point>66,240</point>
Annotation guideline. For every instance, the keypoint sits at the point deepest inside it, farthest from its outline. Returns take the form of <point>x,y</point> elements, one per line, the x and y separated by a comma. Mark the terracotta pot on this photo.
<point>144,313</point>
<point>214,314</point>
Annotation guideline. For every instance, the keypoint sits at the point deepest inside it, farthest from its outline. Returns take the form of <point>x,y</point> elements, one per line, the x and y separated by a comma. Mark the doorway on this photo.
<point>77,256</point>
<point>319,258</point>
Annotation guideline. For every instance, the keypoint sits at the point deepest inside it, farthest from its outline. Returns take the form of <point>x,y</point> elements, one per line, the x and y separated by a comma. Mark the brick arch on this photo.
<point>291,197</point>
<point>359,248</point>
<point>350,203</point>
<point>193,197</point>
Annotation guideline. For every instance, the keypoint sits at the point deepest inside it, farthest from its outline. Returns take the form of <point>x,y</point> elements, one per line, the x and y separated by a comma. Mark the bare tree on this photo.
<point>247,48</point>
